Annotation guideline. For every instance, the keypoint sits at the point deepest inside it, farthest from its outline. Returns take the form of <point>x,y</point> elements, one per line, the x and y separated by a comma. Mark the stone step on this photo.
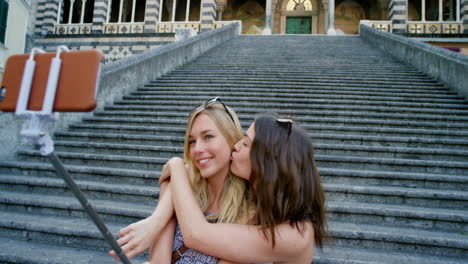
<point>99,160</point>
<point>64,231</point>
<point>278,86</point>
<point>264,98</point>
<point>402,240</point>
<point>281,65</point>
<point>141,194</point>
<point>67,206</point>
<point>136,130</point>
<point>300,105</point>
<point>310,116</point>
<point>145,150</point>
<point>292,93</point>
<point>208,76</point>
<point>325,121</point>
<point>421,218</point>
<point>292,81</point>
<point>437,181</point>
<point>323,129</point>
<point>393,164</point>
<point>430,198</point>
<point>402,111</point>
<point>346,255</point>
<point>160,140</point>
<point>350,72</point>
<point>178,141</point>
<point>329,161</point>
<point>399,142</point>
<point>46,253</point>
<point>88,173</point>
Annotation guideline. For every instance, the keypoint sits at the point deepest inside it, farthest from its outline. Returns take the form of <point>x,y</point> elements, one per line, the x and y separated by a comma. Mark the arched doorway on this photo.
<point>299,17</point>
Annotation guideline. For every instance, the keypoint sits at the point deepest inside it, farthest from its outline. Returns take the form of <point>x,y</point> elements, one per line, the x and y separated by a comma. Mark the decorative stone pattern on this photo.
<point>99,15</point>
<point>398,15</point>
<point>208,14</point>
<point>169,27</point>
<point>123,28</point>
<point>434,28</point>
<point>73,29</point>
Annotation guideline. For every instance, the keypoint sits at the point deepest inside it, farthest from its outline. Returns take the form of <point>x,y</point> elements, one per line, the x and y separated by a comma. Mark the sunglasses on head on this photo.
<point>213,101</point>
<point>286,123</point>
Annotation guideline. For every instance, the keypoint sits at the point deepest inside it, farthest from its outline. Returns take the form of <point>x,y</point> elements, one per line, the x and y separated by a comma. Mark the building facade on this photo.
<point>16,18</point>
<point>122,28</point>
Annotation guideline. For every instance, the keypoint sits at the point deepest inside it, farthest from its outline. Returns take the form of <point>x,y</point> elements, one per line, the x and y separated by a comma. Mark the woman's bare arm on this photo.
<point>139,236</point>
<point>233,242</point>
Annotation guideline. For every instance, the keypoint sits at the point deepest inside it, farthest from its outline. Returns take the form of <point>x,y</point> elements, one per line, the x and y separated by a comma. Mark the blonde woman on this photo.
<point>212,131</point>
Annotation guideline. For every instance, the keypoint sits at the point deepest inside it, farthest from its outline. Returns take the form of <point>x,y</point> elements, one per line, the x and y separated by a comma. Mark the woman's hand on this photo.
<point>136,237</point>
<point>166,171</point>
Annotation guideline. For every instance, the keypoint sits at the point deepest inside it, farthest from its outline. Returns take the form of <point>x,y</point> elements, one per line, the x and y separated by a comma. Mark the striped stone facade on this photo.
<point>99,15</point>
<point>151,15</point>
<point>397,15</point>
<point>465,16</point>
<point>49,17</point>
<point>41,6</point>
<point>208,14</point>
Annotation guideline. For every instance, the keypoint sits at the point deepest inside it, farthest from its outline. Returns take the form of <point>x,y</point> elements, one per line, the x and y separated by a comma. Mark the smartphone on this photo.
<point>76,87</point>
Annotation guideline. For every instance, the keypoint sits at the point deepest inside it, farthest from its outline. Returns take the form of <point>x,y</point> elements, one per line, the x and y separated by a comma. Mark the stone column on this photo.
<point>99,16</point>
<point>208,14</point>
<point>331,18</point>
<point>464,16</point>
<point>325,9</point>
<point>50,16</point>
<point>41,7</point>
<point>397,15</point>
<point>151,15</point>
<point>267,29</point>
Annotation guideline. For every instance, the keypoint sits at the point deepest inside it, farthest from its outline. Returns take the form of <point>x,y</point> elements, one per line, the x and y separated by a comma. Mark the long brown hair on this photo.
<point>285,179</point>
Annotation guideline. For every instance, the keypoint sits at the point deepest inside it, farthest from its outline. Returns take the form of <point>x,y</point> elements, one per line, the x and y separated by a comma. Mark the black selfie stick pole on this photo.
<point>87,207</point>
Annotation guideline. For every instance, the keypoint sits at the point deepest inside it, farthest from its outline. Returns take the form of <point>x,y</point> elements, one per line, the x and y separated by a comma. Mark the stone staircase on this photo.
<point>391,145</point>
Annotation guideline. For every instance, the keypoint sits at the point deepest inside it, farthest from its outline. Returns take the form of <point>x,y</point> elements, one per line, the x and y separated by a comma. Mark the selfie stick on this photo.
<point>35,131</point>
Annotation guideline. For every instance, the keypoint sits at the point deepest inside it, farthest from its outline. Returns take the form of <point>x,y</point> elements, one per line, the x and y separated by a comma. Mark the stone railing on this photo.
<point>132,28</point>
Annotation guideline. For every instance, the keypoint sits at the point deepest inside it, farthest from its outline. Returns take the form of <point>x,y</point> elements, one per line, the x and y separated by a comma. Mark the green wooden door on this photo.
<point>298,25</point>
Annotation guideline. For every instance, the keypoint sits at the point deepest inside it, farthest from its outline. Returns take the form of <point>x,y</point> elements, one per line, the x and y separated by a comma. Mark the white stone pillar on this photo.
<point>187,11</point>
<point>83,3</point>
<point>441,10</point>
<point>72,3</point>
<point>331,18</point>
<point>267,29</point>
<point>458,18</point>
<point>423,10</point>
<point>465,16</point>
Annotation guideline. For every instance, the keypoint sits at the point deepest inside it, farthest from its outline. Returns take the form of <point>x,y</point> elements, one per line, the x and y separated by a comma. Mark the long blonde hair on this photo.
<point>234,199</point>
